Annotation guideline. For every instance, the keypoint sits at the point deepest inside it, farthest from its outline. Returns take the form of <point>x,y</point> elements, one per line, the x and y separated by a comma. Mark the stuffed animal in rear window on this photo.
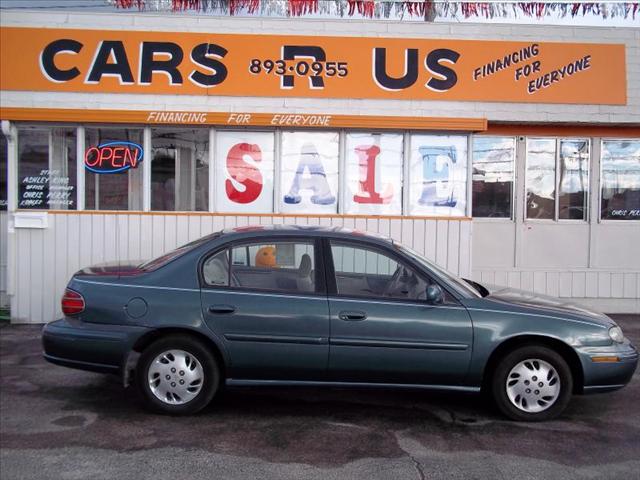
<point>266,257</point>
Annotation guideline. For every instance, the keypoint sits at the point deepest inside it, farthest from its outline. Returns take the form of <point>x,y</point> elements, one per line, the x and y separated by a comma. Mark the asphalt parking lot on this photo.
<point>57,423</point>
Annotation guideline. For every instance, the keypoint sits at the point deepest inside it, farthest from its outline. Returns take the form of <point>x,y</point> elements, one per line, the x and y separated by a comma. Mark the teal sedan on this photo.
<point>328,306</point>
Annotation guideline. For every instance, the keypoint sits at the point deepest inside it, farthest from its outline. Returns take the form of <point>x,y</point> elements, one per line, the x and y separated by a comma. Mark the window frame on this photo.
<point>215,130</point>
<point>320,277</point>
<point>332,287</point>
<point>514,197</point>
<point>49,126</point>
<point>407,177</point>
<point>609,221</point>
<point>154,129</point>
<point>556,210</point>
<point>343,168</point>
<point>81,132</point>
<point>279,195</point>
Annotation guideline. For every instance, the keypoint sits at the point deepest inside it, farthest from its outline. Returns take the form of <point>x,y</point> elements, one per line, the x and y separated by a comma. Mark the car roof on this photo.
<point>254,231</point>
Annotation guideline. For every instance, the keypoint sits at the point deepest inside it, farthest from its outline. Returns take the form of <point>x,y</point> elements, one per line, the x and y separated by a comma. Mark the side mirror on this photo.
<point>435,295</point>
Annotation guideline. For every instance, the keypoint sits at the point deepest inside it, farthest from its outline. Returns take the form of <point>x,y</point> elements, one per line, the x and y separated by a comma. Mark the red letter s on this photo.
<point>244,173</point>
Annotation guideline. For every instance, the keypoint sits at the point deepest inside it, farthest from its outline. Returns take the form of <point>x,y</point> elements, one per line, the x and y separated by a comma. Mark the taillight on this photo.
<point>72,302</point>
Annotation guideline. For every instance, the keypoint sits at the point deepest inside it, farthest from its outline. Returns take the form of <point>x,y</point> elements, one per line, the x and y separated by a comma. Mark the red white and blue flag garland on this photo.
<point>426,9</point>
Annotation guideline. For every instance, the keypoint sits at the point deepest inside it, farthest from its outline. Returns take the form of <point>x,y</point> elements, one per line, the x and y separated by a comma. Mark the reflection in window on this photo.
<point>3,172</point>
<point>573,183</point>
<point>438,175</point>
<point>113,191</point>
<point>179,169</point>
<point>47,168</point>
<point>281,266</point>
<point>541,178</point>
<point>374,173</point>
<point>620,163</point>
<point>309,172</point>
<point>493,160</point>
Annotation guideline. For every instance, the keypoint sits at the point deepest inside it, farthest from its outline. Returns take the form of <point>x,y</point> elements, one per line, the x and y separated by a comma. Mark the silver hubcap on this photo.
<point>533,385</point>
<point>175,377</point>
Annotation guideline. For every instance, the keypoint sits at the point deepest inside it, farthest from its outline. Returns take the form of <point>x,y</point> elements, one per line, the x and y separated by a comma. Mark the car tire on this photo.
<point>532,383</point>
<point>177,375</point>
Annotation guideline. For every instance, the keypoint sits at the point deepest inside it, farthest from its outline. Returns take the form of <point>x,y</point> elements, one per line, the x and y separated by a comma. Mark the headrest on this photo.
<point>305,265</point>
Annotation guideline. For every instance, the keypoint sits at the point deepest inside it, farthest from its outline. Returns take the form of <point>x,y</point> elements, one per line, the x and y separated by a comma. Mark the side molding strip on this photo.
<point>242,337</point>
<point>354,342</point>
<point>232,382</point>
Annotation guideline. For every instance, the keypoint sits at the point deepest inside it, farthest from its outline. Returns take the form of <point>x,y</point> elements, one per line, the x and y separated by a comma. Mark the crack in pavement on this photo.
<point>409,445</point>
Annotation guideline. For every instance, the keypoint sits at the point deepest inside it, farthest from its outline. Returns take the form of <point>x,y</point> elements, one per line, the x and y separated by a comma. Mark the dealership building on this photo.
<point>508,154</point>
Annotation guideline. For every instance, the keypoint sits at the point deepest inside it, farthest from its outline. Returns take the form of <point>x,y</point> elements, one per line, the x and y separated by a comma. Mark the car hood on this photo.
<point>551,305</point>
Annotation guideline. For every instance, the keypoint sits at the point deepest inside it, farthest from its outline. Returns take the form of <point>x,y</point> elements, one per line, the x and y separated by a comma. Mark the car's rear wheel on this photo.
<point>177,375</point>
<point>532,383</point>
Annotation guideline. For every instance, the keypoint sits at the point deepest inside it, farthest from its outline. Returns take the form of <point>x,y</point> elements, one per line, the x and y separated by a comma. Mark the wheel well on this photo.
<point>567,353</point>
<point>150,337</point>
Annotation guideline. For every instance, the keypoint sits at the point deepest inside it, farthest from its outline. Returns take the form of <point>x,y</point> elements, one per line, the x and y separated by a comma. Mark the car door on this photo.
<point>382,327</point>
<point>267,301</point>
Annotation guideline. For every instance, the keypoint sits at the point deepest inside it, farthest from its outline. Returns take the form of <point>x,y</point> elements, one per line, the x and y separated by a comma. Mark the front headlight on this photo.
<point>616,334</point>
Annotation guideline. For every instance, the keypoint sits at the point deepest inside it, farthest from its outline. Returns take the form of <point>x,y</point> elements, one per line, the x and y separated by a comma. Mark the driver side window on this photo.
<point>361,272</point>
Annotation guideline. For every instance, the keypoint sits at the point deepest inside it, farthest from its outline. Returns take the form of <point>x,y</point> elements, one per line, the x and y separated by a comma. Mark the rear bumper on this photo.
<point>608,375</point>
<point>89,346</point>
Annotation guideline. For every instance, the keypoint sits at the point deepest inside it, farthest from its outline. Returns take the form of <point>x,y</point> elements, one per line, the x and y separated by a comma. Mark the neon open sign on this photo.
<point>113,157</point>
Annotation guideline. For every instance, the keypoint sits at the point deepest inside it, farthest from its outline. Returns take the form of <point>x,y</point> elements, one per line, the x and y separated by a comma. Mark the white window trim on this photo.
<point>510,219</point>
<point>607,221</point>
<point>556,220</point>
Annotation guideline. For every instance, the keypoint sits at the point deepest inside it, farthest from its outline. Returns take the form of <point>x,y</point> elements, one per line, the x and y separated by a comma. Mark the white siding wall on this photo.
<point>596,265</point>
<point>4,299</point>
<point>46,258</point>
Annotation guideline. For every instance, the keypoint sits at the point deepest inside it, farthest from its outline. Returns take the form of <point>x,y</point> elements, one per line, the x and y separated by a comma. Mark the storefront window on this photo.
<point>3,172</point>
<point>374,174</point>
<point>620,181</point>
<point>180,169</point>
<point>113,168</point>
<point>309,172</point>
<point>244,171</point>
<point>438,174</point>
<point>47,168</point>
<point>573,181</point>
<point>493,160</point>
<point>557,166</point>
<point>541,178</point>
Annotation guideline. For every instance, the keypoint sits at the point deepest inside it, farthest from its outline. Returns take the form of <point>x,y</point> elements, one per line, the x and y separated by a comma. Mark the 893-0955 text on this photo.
<point>299,67</point>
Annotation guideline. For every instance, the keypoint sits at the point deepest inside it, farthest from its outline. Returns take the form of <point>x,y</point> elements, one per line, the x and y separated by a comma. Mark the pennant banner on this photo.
<point>428,10</point>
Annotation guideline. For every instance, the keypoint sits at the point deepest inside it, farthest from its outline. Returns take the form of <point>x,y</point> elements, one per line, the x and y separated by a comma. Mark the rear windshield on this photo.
<point>162,260</point>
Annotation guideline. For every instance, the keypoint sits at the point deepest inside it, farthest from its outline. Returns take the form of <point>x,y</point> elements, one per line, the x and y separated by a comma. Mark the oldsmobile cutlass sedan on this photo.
<point>327,306</point>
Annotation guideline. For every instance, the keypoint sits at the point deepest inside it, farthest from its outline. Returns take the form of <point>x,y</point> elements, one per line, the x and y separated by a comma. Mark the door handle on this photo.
<point>352,316</point>
<point>222,309</point>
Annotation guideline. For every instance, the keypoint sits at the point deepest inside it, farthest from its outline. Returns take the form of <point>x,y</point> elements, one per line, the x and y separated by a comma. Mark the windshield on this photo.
<point>167,257</point>
<point>448,276</point>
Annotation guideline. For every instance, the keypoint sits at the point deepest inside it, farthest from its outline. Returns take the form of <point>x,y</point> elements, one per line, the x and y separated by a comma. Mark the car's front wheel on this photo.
<point>177,375</point>
<point>532,383</point>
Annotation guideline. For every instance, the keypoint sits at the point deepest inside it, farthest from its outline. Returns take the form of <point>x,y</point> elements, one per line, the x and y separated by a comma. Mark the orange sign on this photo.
<point>245,119</point>
<point>43,59</point>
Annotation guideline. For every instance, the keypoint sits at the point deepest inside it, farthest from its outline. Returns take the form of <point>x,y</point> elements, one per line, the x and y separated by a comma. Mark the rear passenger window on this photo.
<point>215,270</point>
<point>279,266</point>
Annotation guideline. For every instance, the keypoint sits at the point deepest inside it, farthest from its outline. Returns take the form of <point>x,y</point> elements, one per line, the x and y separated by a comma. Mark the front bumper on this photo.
<point>608,368</point>
<point>89,346</point>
